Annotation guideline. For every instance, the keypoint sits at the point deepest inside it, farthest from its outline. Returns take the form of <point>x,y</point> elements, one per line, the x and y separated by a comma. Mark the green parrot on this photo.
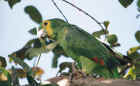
<point>82,47</point>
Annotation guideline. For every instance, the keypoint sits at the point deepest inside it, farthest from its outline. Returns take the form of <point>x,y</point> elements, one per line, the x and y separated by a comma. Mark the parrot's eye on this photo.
<point>45,23</point>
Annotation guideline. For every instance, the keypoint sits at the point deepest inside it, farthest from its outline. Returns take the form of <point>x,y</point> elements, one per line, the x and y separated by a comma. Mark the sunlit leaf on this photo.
<point>20,62</point>
<point>36,50</point>
<point>33,31</point>
<point>137,36</point>
<point>20,73</point>
<point>32,48</point>
<point>112,39</point>
<point>99,33</point>
<point>133,49</point>
<point>126,3</point>
<point>34,14</point>
<point>3,62</point>
<point>7,81</point>
<point>37,71</point>
<point>28,70</point>
<point>130,73</point>
<point>134,55</point>
<point>106,23</point>
<point>12,2</point>
<point>32,52</point>
<point>38,46</point>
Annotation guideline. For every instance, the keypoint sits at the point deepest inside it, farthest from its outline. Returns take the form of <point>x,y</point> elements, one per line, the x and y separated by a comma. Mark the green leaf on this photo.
<point>99,33</point>
<point>106,24</point>
<point>21,53</point>
<point>21,63</point>
<point>31,49</point>
<point>37,43</point>
<point>125,3</point>
<point>112,39</point>
<point>33,13</point>
<point>137,36</point>
<point>34,43</point>
<point>6,73</point>
<point>33,31</point>
<point>133,49</point>
<point>138,3</point>
<point>12,2</point>
<point>25,66</point>
<point>57,51</point>
<point>134,55</point>
<point>3,62</point>
<point>32,52</point>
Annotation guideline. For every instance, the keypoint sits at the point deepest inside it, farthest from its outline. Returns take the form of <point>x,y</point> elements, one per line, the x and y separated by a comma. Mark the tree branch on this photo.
<point>84,13</point>
<point>60,11</point>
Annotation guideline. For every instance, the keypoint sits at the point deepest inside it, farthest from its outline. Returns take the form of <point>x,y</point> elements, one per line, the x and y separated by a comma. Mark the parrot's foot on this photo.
<point>76,73</point>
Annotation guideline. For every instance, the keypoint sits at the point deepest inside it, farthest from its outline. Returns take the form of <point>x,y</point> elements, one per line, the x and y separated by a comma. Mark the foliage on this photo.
<point>126,3</point>
<point>137,36</point>
<point>33,13</point>
<point>33,31</point>
<point>12,2</point>
<point>35,47</point>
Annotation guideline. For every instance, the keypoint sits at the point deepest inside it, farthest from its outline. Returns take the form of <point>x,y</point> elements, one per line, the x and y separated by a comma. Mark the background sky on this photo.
<point>15,23</point>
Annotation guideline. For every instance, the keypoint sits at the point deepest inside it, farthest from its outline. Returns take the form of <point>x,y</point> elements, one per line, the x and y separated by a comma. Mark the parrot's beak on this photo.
<point>41,32</point>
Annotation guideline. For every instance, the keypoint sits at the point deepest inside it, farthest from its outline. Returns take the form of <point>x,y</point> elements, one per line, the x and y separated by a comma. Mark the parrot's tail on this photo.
<point>112,65</point>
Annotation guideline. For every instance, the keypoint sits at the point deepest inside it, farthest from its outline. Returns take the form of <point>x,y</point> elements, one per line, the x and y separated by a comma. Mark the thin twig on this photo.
<point>84,13</point>
<point>60,11</point>
<point>38,60</point>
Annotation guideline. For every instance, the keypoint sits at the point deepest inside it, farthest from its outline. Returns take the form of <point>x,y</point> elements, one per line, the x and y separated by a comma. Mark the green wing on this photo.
<point>82,43</point>
<point>77,42</point>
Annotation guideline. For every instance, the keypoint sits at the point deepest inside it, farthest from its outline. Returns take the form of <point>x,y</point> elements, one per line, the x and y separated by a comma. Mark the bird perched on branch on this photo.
<point>85,49</point>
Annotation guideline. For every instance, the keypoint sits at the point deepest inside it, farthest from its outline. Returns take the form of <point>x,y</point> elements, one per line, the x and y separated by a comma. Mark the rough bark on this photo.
<point>109,82</point>
<point>90,81</point>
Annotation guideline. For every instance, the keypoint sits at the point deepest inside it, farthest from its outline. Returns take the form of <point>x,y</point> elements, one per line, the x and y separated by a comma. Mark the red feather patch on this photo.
<point>95,59</point>
<point>102,62</point>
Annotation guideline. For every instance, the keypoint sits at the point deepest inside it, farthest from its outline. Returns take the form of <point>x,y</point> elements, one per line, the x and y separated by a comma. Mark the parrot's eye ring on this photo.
<point>45,23</point>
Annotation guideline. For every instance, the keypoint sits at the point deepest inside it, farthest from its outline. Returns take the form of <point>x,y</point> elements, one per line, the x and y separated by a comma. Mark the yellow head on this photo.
<point>52,27</point>
<point>46,25</point>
